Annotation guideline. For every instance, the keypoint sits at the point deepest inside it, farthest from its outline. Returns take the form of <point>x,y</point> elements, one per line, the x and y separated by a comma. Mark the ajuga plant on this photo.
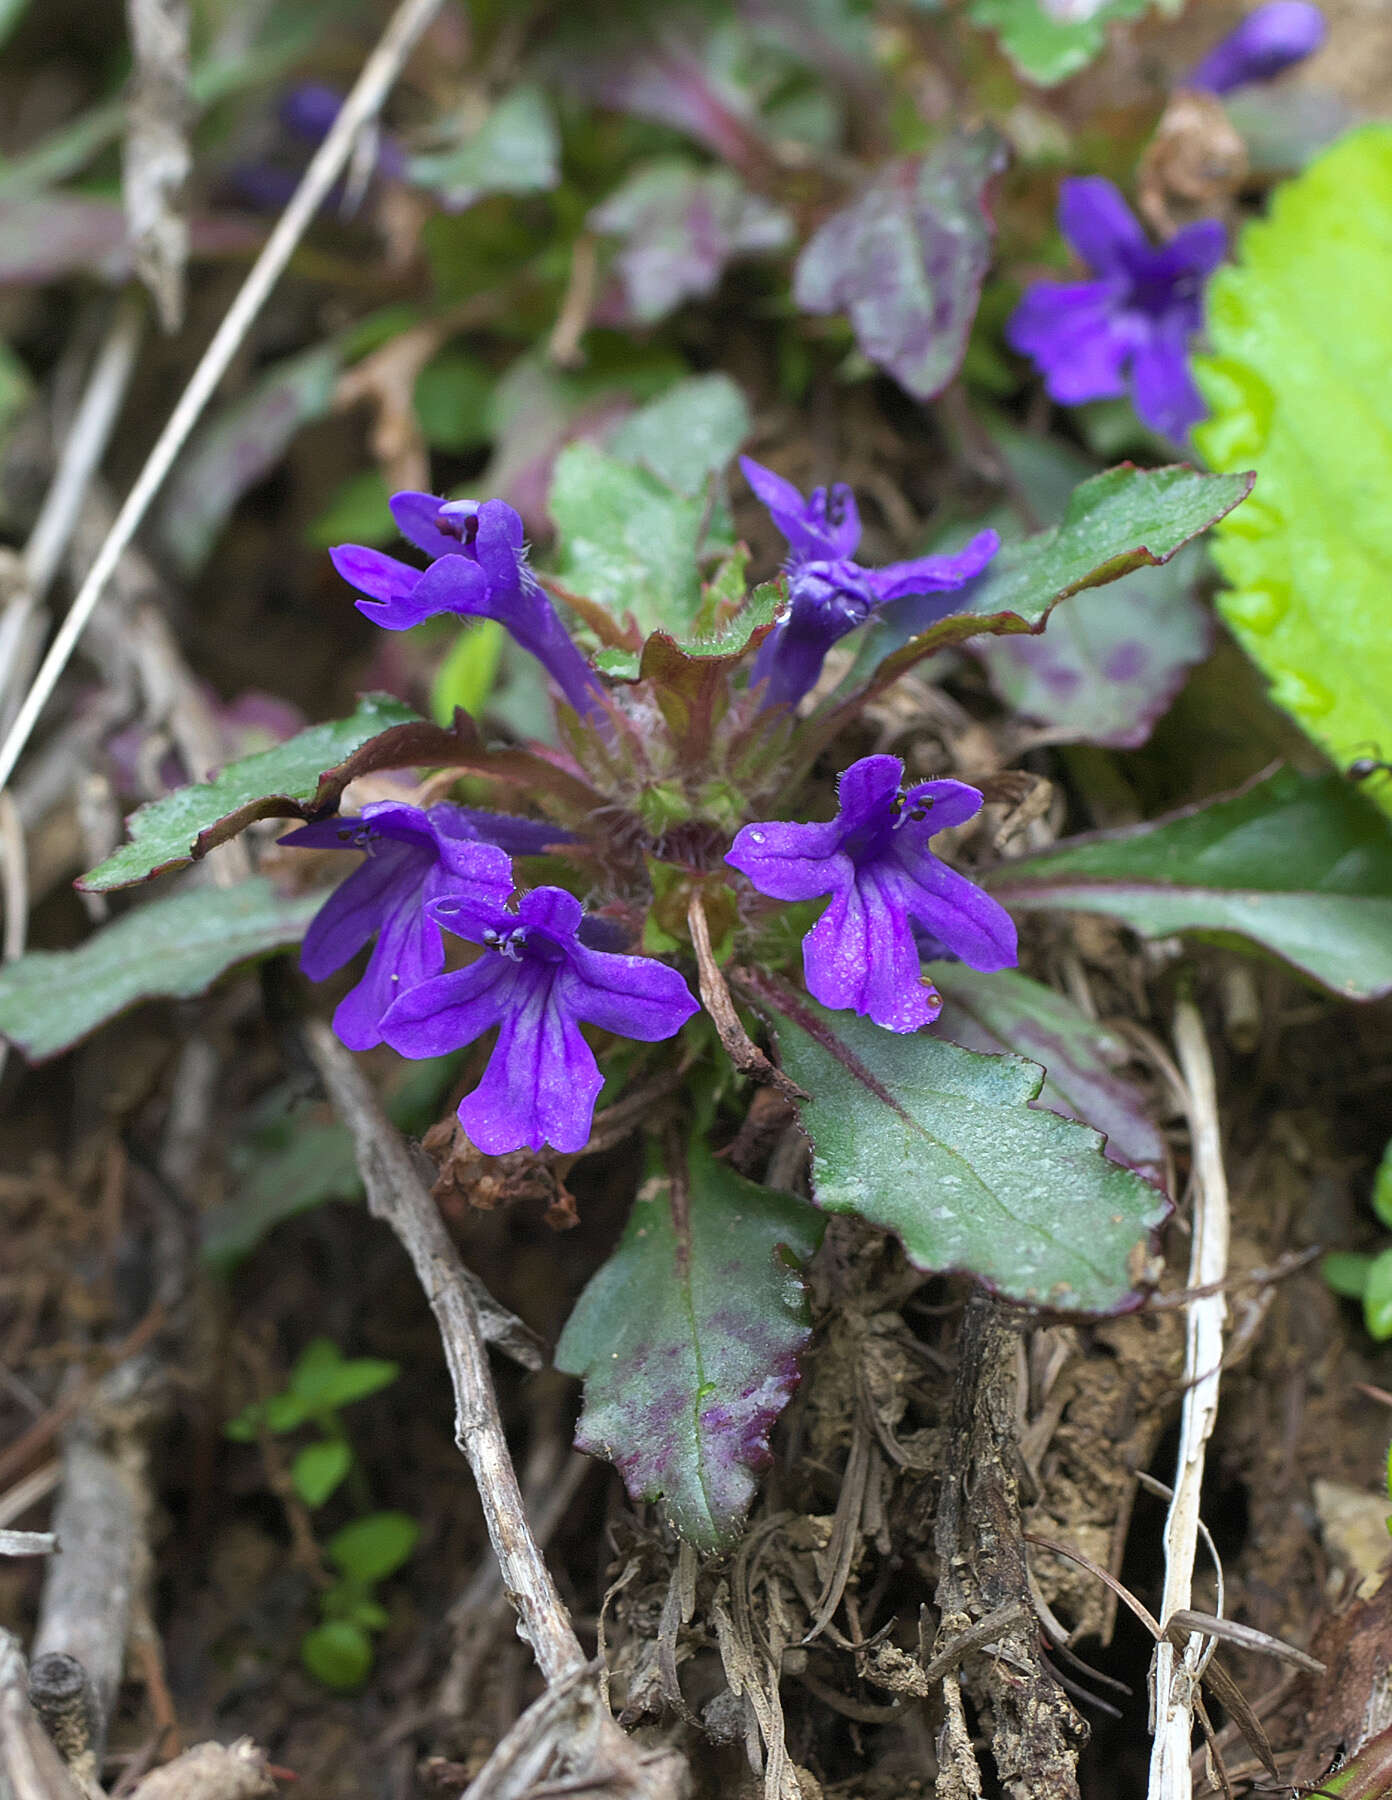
<point>708,878</point>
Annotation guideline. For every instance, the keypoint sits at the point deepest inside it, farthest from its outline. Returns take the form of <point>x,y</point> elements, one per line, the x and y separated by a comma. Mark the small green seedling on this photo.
<point>1359,1276</point>
<point>338,1651</point>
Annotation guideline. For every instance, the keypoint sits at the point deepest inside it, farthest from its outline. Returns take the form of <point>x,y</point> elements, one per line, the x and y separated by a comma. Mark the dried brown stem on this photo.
<point>30,1767</point>
<point>397,1195</point>
<point>741,1049</point>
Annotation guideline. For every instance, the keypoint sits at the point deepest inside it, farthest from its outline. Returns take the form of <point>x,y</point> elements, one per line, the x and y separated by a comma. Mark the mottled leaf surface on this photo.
<point>687,434</point>
<point>1045,46</point>
<point>688,1339</point>
<point>942,1146</point>
<point>1300,387</point>
<point>905,260</point>
<point>680,226</point>
<point>1083,1061</point>
<point>1298,865</point>
<point>273,783</point>
<point>630,542</point>
<point>168,949</point>
<point>1123,519</point>
<point>516,150</point>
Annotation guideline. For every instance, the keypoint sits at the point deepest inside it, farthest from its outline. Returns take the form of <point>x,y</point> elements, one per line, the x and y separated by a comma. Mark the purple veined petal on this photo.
<point>948,802</point>
<point>408,951</point>
<point>542,1079</point>
<point>792,862</point>
<point>343,832</point>
<point>790,658</point>
<point>867,790</point>
<point>399,821</point>
<point>1162,389</point>
<point>417,518</point>
<point>500,543</point>
<point>1195,249</point>
<point>632,996</point>
<point>1271,38</point>
<point>1097,222</point>
<point>861,955</point>
<point>449,1011</point>
<point>837,517</point>
<point>552,910</point>
<point>964,919</point>
<point>777,495</point>
<point>1072,331</point>
<point>355,910</point>
<point>934,574</point>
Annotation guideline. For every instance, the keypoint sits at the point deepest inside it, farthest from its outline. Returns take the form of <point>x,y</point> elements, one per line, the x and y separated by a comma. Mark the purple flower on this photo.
<point>1267,41</point>
<point>828,593</point>
<point>412,857</point>
<point>536,981</point>
<point>480,570</point>
<point>308,111</point>
<point>1129,328</point>
<point>874,861</point>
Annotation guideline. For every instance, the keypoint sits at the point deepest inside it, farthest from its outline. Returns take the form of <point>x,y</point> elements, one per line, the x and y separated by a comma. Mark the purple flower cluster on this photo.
<point>543,966</point>
<point>1128,329</point>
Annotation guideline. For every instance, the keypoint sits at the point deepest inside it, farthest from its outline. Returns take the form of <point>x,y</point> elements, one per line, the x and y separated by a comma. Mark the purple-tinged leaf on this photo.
<point>1298,865</point>
<point>239,448</point>
<point>1109,664</point>
<point>905,260</point>
<point>688,1339</point>
<point>680,227</point>
<point>49,236</point>
<point>171,949</point>
<point>1082,1060</point>
<point>515,151</point>
<point>943,1147</point>
<point>671,80</point>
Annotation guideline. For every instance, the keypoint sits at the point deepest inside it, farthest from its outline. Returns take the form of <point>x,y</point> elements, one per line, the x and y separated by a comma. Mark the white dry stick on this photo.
<point>1176,1671</point>
<point>361,106</point>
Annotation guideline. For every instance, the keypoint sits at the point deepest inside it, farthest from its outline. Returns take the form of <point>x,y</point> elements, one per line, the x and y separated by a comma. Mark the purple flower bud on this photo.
<point>1268,41</point>
<point>308,111</point>
<point>1127,330</point>
<point>411,857</point>
<point>828,593</point>
<point>873,860</point>
<point>479,570</point>
<point>537,982</point>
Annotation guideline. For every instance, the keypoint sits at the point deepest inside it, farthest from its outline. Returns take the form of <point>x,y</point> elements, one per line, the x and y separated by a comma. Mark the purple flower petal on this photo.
<point>935,574</point>
<point>408,950</point>
<point>1269,40</point>
<point>355,911</point>
<point>824,528</point>
<point>1162,388</point>
<point>1195,249</point>
<point>1099,224</point>
<point>389,584</point>
<point>417,519</point>
<point>1077,334</point>
<point>874,861</point>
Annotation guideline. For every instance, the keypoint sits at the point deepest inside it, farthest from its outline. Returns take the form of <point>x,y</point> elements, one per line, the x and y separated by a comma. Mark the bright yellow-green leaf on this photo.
<point>466,676</point>
<point>1300,385</point>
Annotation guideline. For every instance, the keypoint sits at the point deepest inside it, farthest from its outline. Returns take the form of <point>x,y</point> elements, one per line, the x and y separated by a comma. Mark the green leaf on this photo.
<point>942,1146</point>
<point>374,1547</point>
<point>1005,1010</point>
<point>688,1340</point>
<point>322,1379</point>
<point>1346,1272</point>
<point>686,434</point>
<point>170,949</point>
<point>628,540</point>
<point>515,151</point>
<point>282,782</point>
<point>338,1653</point>
<point>1123,519</point>
<point>1300,865</point>
<point>1377,1297</point>
<point>454,402</point>
<point>466,676</point>
<point>1044,48</point>
<point>1382,1189</point>
<point>319,1469</point>
<point>1300,386</point>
